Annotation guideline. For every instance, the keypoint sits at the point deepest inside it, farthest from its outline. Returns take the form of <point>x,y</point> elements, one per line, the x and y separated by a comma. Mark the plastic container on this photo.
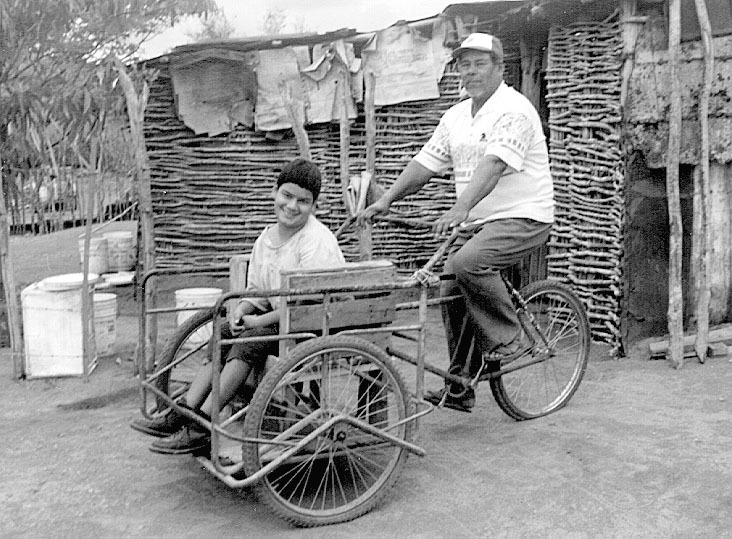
<point>105,323</point>
<point>120,251</point>
<point>97,254</point>
<point>52,325</point>
<point>197,298</point>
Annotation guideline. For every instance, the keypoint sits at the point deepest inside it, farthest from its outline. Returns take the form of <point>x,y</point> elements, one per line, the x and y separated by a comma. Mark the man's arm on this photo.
<point>484,180</point>
<point>412,179</point>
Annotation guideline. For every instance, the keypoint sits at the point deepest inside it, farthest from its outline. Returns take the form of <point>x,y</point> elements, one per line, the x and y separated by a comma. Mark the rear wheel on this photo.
<point>545,380</point>
<point>345,470</point>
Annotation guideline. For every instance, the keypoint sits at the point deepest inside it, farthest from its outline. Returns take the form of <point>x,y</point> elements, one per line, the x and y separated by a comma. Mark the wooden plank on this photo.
<point>373,272</point>
<point>720,334</point>
<point>351,312</point>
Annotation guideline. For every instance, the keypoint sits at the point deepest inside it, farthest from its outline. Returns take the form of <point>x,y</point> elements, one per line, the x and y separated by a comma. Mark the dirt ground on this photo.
<point>642,450</point>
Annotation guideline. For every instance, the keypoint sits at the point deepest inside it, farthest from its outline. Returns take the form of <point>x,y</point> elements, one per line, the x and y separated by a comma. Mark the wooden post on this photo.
<point>344,135</point>
<point>238,266</point>
<point>631,28</point>
<point>86,308</point>
<point>365,237</point>
<point>530,69</point>
<point>136,113</point>
<point>675,313</point>
<point>702,190</point>
<point>297,121</point>
<point>11,296</point>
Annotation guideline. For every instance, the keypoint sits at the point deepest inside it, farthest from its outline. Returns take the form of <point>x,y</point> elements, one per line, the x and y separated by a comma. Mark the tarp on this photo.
<point>214,90</point>
<point>333,65</point>
<point>406,65</point>
<point>278,80</point>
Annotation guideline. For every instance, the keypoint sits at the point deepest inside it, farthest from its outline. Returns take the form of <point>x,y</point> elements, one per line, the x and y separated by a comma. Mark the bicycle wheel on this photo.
<point>556,321</point>
<point>188,350</point>
<point>345,471</point>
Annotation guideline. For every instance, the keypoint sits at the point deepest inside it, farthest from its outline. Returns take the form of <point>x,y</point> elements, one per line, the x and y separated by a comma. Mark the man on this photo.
<point>296,240</point>
<point>496,147</point>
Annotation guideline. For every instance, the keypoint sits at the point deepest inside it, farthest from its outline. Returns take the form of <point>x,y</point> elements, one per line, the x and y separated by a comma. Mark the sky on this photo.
<point>247,17</point>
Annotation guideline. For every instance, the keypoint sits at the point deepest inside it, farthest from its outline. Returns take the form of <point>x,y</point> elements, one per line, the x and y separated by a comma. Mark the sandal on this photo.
<point>464,403</point>
<point>507,353</point>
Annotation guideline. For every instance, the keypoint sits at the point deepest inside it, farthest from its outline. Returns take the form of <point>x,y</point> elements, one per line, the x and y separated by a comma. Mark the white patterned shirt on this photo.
<point>508,127</point>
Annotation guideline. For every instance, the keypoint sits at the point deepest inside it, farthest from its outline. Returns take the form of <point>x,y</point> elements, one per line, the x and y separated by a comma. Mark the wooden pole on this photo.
<point>344,137</point>
<point>702,189</point>
<point>297,121</point>
<point>365,236</point>
<point>631,28</point>
<point>86,305</point>
<point>136,113</point>
<point>11,297</point>
<point>675,313</point>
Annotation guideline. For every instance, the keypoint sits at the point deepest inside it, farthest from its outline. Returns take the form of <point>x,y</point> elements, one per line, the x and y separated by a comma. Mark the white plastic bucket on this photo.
<point>197,298</point>
<point>105,323</point>
<point>97,254</point>
<point>52,326</point>
<point>120,250</point>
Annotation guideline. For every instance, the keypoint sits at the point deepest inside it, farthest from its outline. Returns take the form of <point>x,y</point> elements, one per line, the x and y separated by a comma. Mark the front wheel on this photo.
<point>345,470</point>
<point>555,319</point>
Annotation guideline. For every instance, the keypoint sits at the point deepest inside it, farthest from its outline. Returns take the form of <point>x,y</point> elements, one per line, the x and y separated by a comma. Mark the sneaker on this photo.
<point>190,439</point>
<point>160,427</point>
<point>463,403</point>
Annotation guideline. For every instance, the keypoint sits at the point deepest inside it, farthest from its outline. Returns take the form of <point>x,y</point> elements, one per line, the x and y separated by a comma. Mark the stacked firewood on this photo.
<point>583,93</point>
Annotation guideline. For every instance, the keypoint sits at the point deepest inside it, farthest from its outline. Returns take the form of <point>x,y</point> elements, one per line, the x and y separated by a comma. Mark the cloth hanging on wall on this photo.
<point>333,65</point>
<point>278,80</point>
<point>215,90</point>
<point>406,65</point>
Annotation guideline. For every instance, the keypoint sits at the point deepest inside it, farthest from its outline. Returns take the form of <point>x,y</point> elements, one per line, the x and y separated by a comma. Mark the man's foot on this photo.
<point>463,403</point>
<point>189,439</point>
<point>506,353</point>
<point>162,426</point>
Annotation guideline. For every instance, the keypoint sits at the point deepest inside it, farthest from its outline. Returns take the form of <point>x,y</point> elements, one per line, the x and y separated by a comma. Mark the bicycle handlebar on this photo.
<point>441,250</point>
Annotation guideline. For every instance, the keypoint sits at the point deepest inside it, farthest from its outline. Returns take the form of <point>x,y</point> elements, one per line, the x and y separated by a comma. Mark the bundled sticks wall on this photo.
<point>212,195</point>
<point>583,93</point>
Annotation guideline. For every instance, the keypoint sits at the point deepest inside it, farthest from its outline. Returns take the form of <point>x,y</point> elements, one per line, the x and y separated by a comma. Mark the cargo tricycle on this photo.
<point>324,431</point>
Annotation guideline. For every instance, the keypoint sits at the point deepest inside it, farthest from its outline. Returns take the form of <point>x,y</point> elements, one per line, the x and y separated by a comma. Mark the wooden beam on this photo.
<point>136,104</point>
<point>675,312</point>
<point>344,134</point>
<point>297,120</point>
<point>365,230</point>
<point>11,296</point>
<point>702,190</point>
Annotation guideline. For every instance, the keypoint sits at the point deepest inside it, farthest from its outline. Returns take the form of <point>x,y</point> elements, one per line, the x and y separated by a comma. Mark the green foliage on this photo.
<point>214,27</point>
<point>59,101</point>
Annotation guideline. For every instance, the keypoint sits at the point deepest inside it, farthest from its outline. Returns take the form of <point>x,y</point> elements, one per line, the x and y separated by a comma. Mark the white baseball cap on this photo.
<point>481,42</point>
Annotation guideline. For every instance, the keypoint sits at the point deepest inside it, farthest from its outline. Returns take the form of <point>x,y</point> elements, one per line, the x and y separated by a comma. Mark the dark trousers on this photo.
<point>476,261</point>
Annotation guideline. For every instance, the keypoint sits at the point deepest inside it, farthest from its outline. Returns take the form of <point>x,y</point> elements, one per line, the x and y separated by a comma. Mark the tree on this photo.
<point>58,70</point>
<point>214,27</point>
<point>274,22</point>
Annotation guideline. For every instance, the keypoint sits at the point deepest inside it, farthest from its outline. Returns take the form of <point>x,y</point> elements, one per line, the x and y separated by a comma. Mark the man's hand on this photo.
<point>380,207</point>
<point>452,218</point>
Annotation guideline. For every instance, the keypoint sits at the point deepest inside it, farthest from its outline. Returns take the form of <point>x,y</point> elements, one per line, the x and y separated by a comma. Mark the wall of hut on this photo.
<point>212,195</point>
<point>647,230</point>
